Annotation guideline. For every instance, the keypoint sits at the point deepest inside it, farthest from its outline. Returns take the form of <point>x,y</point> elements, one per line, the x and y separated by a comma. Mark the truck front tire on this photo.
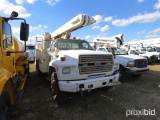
<point>122,76</point>
<point>39,73</point>
<point>59,96</point>
<point>5,106</point>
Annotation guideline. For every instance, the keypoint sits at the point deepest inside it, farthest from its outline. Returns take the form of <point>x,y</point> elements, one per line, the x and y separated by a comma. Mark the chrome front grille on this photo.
<point>141,63</point>
<point>95,63</point>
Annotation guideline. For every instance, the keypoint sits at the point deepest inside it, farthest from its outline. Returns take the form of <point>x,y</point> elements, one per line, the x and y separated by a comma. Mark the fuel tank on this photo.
<point>18,46</point>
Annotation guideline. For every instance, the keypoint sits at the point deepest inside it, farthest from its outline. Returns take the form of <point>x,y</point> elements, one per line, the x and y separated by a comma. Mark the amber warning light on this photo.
<point>63,58</point>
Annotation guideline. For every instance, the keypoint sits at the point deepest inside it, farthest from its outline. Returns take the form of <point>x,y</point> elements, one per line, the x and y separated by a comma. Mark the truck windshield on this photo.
<point>72,44</point>
<point>139,52</point>
<point>117,51</point>
<point>150,49</point>
<point>29,47</point>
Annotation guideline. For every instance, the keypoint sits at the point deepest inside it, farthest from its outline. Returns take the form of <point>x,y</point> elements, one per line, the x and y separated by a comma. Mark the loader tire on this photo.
<point>5,106</point>
<point>59,96</point>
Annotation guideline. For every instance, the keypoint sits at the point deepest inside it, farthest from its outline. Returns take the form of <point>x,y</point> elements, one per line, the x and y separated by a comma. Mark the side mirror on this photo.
<point>24,31</point>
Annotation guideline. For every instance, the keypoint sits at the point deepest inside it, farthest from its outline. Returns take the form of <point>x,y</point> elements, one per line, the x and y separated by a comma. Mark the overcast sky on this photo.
<point>136,19</point>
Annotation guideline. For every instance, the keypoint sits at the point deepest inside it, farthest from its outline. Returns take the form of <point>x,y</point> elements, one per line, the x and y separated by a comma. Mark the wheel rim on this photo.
<point>54,87</point>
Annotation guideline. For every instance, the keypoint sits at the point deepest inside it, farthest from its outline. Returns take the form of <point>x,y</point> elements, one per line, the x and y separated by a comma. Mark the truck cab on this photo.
<point>129,64</point>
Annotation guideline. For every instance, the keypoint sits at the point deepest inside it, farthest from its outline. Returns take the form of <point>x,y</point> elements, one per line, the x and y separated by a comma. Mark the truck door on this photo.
<point>8,58</point>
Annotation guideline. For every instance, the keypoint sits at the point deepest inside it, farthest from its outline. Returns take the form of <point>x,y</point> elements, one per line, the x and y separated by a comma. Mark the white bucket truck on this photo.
<point>71,64</point>
<point>151,57</point>
<point>144,48</point>
<point>150,50</point>
<point>129,64</point>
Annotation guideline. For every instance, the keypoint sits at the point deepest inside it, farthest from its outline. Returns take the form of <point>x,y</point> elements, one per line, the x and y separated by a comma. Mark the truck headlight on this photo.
<point>116,66</point>
<point>130,64</point>
<point>65,70</point>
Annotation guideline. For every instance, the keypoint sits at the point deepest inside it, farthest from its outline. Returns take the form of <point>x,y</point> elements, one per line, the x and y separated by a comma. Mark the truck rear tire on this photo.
<point>59,96</point>
<point>5,106</point>
<point>38,72</point>
<point>122,74</point>
<point>149,61</point>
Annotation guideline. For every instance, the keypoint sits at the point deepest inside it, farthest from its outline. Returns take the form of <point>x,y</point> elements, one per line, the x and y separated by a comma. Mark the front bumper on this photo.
<point>135,70</point>
<point>89,84</point>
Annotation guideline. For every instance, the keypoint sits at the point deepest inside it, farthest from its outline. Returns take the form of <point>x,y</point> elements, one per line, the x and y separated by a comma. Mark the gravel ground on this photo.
<point>121,102</point>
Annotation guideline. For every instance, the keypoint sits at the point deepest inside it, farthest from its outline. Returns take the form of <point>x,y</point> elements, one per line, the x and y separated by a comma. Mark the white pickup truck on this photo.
<point>151,57</point>
<point>129,64</point>
<point>151,51</point>
<point>73,66</point>
<point>157,49</point>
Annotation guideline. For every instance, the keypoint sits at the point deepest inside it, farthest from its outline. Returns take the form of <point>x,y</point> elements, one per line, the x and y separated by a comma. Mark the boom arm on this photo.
<point>115,41</point>
<point>77,22</point>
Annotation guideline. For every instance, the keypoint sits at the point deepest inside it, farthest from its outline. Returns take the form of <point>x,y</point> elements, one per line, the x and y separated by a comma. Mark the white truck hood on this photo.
<point>153,53</point>
<point>129,57</point>
<point>76,53</point>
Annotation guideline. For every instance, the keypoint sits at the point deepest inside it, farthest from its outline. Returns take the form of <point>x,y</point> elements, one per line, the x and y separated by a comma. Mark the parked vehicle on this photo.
<point>14,64</point>
<point>30,48</point>
<point>150,56</point>
<point>129,64</point>
<point>71,64</point>
<point>150,50</point>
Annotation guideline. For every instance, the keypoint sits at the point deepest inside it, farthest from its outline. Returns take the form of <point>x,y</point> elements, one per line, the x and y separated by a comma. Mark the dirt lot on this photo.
<point>133,95</point>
